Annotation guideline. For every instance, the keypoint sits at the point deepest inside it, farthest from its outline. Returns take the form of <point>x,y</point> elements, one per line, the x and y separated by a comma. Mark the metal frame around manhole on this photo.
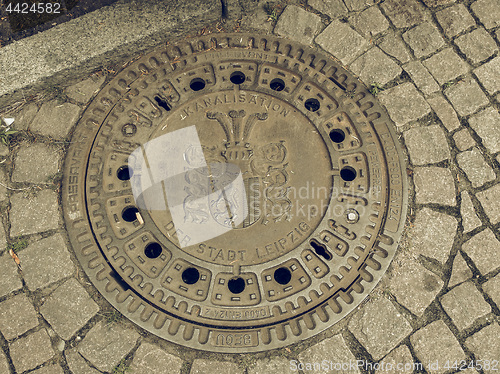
<point>286,115</point>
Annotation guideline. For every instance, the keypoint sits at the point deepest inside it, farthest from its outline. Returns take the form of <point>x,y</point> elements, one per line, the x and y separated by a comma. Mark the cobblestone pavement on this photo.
<point>435,66</point>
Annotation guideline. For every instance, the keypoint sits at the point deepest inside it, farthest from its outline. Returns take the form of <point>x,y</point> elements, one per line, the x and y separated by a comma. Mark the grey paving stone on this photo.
<point>83,91</point>
<point>488,12</point>
<point>46,261</point>
<point>404,103</point>
<point>455,19</point>
<point>393,45</point>
<point>35,163</point>
<point>490,201</point>
<point>466,96</point>
<point>436,3</point>
<point>435,342</point>
<point>298,24</point>
<point>273,365</point>
<point>446,65</point>
<point>481,344</point>
<point>445,112</point>
<point>257,20</point>
<point>404,13</point>
<point>470,220</point>
<point>24,116</point>
<point>463,140</point>
<point>4,150</point>
<point>370,22</point>
<point>427,145</point>
<point>492,288</point>
<point>414,286</point>
<point>478,45</point>
<point>433,234</point>
<point>49,369</point>
<point>421,77</point>
<point>33,215</point>
<point>333,349</point>
<point>332,8</point>
<point>487,124</point>
<point>485,261</point>
<point>151,359</point>
<point>464,304</point>
<point>489,75</point>
<point>3,239</point>
<point>342,42</point>
<point>17,315</point>
<point>460,271</point>
<point>356,5</point>
<point>68,308</point>
<point>31,351</point>
<point>77,363</point>
<point>423,39</point>
<point>400,356</point>
<point>105,346</point>
<point>4,365</point>
<point>3,190</point>
<point>379,327</point>
<point>374,66</point>
<point>474,165</point>
<point>55,119</point>
<point>9,278</point>
<point>202,366</point>
<point>434,185</point>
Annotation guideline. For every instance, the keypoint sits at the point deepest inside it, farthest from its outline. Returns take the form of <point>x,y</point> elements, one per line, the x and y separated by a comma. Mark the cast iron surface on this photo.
<point>324,182</point>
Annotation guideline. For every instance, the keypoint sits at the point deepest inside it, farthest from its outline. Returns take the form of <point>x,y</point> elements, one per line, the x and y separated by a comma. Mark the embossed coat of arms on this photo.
<point>214,168</point>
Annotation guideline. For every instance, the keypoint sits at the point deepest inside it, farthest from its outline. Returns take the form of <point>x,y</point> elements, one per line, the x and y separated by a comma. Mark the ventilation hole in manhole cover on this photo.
<point>197,84</point>
<point>225,193</point>
<point>153,250</point>
<point>236,285</point>
<point>348,173</point>
<point>237,77</point>
<point>337,136</point>
<point>282,275</point>
<point>124,173</point>
<point>320,250</point>
<point>163,104</point>
<point>312,105</point>
<point>190,275</point>
<point>277,84</point>
<point>129,214</point>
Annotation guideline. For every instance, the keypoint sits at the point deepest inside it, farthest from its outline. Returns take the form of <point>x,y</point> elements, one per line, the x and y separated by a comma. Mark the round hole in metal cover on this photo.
<point>129,214</point>
<point>282,275</point>
<point>124,173</point>
<point>153,250</point>
<point>190,275</point>
<point>348,174</point>
<point>337,136</point>
<point>237,77</point>
<point>197,84</point>
<point>277,84</point>
<point>236,285</point>
<point>312,105</point>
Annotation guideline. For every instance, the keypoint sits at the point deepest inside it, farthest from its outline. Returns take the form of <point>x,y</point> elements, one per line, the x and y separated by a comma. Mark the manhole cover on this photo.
<point>235,193</point>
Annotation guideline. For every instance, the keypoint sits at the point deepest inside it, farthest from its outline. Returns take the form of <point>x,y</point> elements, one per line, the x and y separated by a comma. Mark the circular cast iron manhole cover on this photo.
<point>235,193</point>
